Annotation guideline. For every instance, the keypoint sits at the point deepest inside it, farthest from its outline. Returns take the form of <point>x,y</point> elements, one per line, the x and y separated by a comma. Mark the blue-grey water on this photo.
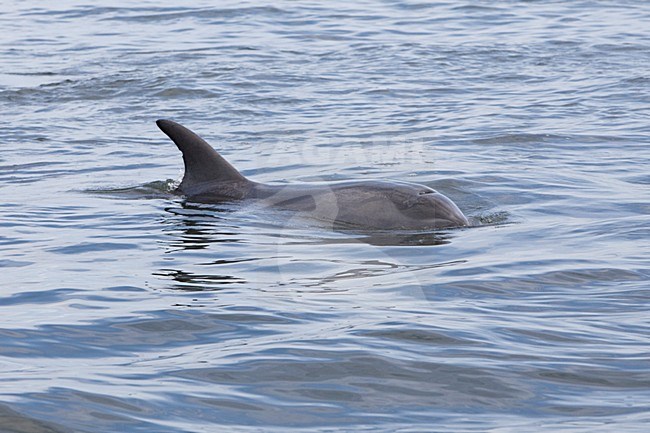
<point>125,309</point>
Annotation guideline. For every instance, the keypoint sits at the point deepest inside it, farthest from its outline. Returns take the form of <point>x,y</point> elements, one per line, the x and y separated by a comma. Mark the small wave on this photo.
<point>151,190</point>
<point>520,139</point>
<point>490,219</point>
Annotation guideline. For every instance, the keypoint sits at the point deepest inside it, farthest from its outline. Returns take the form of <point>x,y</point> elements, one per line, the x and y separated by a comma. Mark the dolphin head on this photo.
<point>436,209</point>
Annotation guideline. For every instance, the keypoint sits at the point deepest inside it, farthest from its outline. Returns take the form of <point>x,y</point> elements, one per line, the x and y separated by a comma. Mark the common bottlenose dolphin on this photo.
<point>368,204</point>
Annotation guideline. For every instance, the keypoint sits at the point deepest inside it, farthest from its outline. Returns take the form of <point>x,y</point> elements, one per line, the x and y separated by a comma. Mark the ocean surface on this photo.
<point>124,308</point>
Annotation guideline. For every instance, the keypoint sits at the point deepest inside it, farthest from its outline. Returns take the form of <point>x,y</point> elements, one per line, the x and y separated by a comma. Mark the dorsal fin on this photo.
<point>202,162</point>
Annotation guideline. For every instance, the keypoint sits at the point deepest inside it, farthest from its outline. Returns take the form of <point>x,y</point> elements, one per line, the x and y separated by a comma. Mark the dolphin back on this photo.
<point>202,163</point>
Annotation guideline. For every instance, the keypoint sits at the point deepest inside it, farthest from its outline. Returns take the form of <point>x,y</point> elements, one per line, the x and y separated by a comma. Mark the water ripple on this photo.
<point>124,308</point>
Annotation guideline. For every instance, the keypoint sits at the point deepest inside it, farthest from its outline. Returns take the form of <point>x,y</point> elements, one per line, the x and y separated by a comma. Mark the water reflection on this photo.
<point>190,281</point>
<point>203,224</point>
<point>214,247</point>
<point>196,227</point>
<point>397,238</point>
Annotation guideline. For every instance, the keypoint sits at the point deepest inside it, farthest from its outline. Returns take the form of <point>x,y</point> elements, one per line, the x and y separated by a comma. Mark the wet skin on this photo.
<point>368,204</point>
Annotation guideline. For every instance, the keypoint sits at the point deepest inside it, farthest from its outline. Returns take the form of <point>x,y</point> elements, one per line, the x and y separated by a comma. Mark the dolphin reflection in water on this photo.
<point>364,204</point>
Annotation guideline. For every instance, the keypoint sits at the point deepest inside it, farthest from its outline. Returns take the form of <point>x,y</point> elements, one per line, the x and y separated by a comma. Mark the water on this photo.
<point>122,308</point>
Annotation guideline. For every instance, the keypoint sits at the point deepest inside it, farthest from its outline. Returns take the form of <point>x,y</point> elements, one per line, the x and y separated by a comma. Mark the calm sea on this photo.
<point>125,309</point>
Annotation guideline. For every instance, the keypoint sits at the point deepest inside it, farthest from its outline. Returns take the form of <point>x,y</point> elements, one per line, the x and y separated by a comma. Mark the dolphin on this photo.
<point>366,204</point>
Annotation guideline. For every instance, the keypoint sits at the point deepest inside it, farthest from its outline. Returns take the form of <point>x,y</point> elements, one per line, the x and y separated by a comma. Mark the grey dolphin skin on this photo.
<point>368,204</point>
